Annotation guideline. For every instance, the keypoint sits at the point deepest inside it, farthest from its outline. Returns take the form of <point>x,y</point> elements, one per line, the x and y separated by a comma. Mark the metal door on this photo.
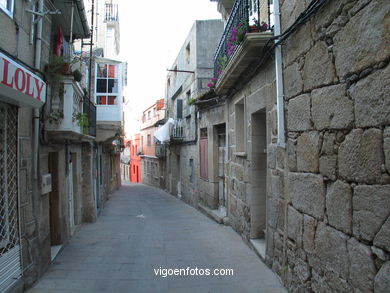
<point>10,262</point>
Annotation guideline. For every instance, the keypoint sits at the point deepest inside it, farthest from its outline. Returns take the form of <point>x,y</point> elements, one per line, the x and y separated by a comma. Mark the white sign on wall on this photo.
<point>19,85</point>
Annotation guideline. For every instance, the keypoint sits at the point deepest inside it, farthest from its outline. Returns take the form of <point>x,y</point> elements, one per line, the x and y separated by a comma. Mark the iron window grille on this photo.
<point>10,269</point>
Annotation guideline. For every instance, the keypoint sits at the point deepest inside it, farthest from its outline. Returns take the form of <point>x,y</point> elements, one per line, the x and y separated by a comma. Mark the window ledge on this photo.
<point>240,154</point>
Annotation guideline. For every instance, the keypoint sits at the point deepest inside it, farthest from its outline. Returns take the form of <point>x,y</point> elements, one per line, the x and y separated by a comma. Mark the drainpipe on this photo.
<point>91,51</point>
<point>280,115</point>
<point>37,64</point>
<point>226,168</point>
<point>71,27</point>
<point>279,79</point>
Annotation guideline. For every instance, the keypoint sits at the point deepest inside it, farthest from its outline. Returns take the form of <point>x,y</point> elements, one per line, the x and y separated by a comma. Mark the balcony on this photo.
<point>111,13</point>
<point>247,33</point>
<point>177,130</point>
<point>66,119</point>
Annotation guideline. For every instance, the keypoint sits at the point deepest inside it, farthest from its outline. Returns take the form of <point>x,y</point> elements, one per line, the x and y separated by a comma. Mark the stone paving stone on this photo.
<point>120,251</point>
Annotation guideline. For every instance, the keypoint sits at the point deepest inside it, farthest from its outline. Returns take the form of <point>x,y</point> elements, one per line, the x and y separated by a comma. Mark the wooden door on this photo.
<point>54,201</point>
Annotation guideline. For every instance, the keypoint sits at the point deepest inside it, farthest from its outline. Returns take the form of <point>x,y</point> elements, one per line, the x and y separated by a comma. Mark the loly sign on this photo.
<point>18,83</point>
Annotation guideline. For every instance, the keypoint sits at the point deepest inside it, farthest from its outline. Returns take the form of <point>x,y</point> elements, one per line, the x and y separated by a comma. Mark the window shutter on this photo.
<point>179,109</point>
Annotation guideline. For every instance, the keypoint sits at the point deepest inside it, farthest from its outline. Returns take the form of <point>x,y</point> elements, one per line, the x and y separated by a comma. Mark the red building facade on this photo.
<point>135,160</point>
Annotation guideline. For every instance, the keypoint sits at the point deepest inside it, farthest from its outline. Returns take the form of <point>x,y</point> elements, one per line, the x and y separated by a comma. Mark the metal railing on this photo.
<point>178,130</point>
<point>246,16</point>
<point>111,12</point>
<point>90,109</point>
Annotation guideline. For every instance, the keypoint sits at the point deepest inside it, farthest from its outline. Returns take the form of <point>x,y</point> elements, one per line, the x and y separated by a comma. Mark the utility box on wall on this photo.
<point>46,183</point>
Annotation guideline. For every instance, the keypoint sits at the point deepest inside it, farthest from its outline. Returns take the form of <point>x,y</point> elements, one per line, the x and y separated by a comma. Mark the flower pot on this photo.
<point>253,29</point>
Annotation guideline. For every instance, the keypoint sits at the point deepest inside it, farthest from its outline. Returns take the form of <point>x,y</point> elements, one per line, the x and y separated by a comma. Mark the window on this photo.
<point>188,53</point>
<point>154,112</point>
<point>240,126</point>
<point>179,109</point>
<point>149,114</point>
<point>107,84</point>
<point>144,117</point>
<point>203,154</point>
<point>7,6</point>
<point>148,140</point>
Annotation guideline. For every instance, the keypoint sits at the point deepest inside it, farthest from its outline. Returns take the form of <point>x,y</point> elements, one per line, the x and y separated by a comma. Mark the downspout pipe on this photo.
<point>37,64</point>
<point>279,79</point>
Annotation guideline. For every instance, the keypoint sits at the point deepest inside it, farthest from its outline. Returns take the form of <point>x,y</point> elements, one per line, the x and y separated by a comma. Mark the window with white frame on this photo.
<point>107,84</point>
<point>7,6</point>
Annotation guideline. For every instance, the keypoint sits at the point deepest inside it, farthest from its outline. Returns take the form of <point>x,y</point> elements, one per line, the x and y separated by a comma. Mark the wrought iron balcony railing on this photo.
<point>178,130</point>
<point>111,12</point>
<point>90,109</point>
<point>246,16</point>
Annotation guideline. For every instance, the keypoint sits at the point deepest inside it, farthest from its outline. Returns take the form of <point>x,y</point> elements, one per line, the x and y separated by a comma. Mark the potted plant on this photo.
<point>191,101</point>
<point>211,84</point>
<point>259,27</point>
<point>77,75</point>
<point>57,67</point>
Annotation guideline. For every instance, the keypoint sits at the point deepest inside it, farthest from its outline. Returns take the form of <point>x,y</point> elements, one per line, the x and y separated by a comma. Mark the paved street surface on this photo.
<point>141,229</point>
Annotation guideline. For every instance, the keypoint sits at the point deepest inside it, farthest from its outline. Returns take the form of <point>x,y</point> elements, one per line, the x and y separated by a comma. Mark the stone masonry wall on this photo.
<point>336,77</point>
<point>209,189</point>
<point>258,96</point>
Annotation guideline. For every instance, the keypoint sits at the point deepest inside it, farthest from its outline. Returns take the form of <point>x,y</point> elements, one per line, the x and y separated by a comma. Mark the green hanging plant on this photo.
<point>77,75</point>
<point>82,121</point>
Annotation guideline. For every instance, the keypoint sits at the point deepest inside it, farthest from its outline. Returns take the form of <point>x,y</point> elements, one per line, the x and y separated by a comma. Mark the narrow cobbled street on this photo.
<point>143,229</point>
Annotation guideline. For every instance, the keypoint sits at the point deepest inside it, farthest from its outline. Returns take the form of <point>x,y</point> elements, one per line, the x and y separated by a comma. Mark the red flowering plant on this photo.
<point>237,36</point>
<point>262,26</point>
<point>211,84</point>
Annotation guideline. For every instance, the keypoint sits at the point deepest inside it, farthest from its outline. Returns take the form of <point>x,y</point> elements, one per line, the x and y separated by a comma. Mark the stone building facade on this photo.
<point>187,81</point>
<point>315,208</point>
<point>337,101</point>
<point>49,156</point>
<point>26,94</point>
<point>152,152</point>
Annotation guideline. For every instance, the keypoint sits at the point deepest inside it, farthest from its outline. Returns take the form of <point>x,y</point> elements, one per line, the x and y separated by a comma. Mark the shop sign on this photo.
<point>19,84</point>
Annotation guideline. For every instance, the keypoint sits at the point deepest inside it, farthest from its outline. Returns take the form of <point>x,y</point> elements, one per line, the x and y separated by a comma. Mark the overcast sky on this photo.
<point>152,33</point>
